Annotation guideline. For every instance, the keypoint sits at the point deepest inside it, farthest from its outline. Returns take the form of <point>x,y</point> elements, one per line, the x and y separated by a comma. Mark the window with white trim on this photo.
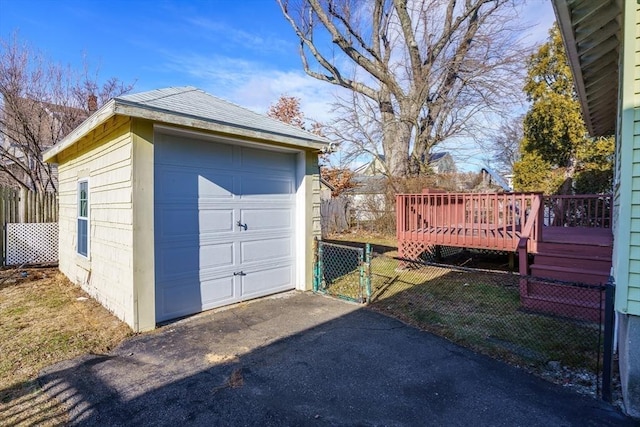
<point>83,218</point>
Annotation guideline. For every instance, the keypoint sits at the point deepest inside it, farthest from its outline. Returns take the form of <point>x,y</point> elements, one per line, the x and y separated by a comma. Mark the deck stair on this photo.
<point>582,263</point>
<point>570,255</point>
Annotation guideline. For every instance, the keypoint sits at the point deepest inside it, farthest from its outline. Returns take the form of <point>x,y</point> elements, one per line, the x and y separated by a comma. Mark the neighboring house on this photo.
<point>492,181</point>
<point>174,201</point>
<point>440,162</point>
<point>367,197</point>
<point>30,127</point>
<point>603,47</point>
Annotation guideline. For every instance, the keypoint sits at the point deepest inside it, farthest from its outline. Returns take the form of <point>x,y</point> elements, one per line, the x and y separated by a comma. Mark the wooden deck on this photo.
<point>578,235</point>
<point>569,238</point>
<point>499,221</point>
<point>505,239</point>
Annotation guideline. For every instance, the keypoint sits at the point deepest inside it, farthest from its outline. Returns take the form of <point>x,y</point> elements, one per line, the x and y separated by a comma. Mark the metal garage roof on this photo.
<point>194,108</point>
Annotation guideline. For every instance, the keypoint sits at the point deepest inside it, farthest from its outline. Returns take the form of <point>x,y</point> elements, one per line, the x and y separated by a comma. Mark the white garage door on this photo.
<point>224,224</point>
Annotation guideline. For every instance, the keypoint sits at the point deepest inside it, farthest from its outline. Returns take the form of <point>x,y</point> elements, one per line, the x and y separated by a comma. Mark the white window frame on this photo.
<point>83,218</point>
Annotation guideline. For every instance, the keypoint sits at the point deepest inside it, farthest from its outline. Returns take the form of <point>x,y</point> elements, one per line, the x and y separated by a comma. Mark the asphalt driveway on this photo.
<point>303,359</point>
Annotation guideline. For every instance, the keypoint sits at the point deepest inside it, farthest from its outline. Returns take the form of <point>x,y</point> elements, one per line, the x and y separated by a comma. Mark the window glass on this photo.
<point>83,218</point>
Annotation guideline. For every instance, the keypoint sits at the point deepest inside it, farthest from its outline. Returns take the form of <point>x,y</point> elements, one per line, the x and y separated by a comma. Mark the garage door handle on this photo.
<point>239,224</point>
<point>239,273</point>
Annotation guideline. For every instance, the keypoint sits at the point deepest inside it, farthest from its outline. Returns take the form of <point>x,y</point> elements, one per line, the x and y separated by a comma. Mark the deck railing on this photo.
<point>472,220</point>
<point>494,220</point>
<point>581,210</point>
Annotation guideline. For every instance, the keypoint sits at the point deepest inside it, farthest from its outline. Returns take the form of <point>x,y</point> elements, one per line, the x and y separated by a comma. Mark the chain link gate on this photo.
<point>342,271</point>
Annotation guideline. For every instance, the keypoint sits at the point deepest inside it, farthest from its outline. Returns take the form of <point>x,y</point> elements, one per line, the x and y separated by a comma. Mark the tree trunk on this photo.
<point>395,137</point>
<point>567,184</point>
<point>396,147</point>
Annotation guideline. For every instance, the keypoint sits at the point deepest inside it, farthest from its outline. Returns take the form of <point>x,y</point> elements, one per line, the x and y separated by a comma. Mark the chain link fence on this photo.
<point>341,271</point>
<point>552,328</point>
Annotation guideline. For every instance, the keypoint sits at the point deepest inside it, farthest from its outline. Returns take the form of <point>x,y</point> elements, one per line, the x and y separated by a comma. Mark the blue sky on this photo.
<point>243,50</point>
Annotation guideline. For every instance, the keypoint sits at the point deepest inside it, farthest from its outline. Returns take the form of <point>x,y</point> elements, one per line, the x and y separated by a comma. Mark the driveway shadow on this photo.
<point>303,359</point>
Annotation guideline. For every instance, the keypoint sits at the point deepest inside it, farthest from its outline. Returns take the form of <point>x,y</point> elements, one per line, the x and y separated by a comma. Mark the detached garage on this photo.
<point>174,201</point>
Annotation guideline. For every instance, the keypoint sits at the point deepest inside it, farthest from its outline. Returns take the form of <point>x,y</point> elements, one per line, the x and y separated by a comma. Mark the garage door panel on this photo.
<point>267,219</point>
<point>266,281</point>
<point>267,249</point>
<point>256,159</point>
<point>266,188</point>
<point>216,256</point>
<point>174,262</point>
<point>184,185</point>
<point>177,298</point>
<point>188,296</point>
<point>181,151</point>
<point>216,221</point>
<point>215,185</point>
<point>217,291</point>
<point>178,262</point>
<point>186,222</point>
<point>178,184</point>
<point>177,221</point>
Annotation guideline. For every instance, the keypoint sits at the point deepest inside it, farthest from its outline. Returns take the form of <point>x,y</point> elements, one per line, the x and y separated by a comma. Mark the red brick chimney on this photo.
<point>92,103</point>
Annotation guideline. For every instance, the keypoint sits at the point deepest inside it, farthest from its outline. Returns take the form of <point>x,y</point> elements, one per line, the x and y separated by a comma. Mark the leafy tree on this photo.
<point>422,70</point>
<point>341,179</point>
<point>533,173</point>
<point>556,148</point>
<point>287,110</point>
<point>40,103</point>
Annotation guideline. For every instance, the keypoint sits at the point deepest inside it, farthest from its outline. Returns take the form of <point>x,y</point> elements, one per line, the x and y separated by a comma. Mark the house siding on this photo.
<point>633,288</point>
<point>105,158</point>
<point>311,225</point>
<point>626,225</point>
<point>144,296</point>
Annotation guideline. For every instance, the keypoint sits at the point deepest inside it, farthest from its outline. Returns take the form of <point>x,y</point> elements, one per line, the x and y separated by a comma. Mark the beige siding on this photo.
<point>315,207</point>
<point>105,157</point>
<point>311,208</point>
<point>143,226</point>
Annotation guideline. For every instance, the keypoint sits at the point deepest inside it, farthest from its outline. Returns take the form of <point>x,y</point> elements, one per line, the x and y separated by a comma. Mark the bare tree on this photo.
<point>505,143</point>
<point>41,102</point>
<point>357,127</point>
<point>430,68</point>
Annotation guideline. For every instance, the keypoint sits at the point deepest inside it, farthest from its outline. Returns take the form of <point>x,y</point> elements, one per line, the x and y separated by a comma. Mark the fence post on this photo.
<point>362,285</point>
<point>3,220</point>
<point>317,270</point>
<point>367,278</point>
<point>607,358</point>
